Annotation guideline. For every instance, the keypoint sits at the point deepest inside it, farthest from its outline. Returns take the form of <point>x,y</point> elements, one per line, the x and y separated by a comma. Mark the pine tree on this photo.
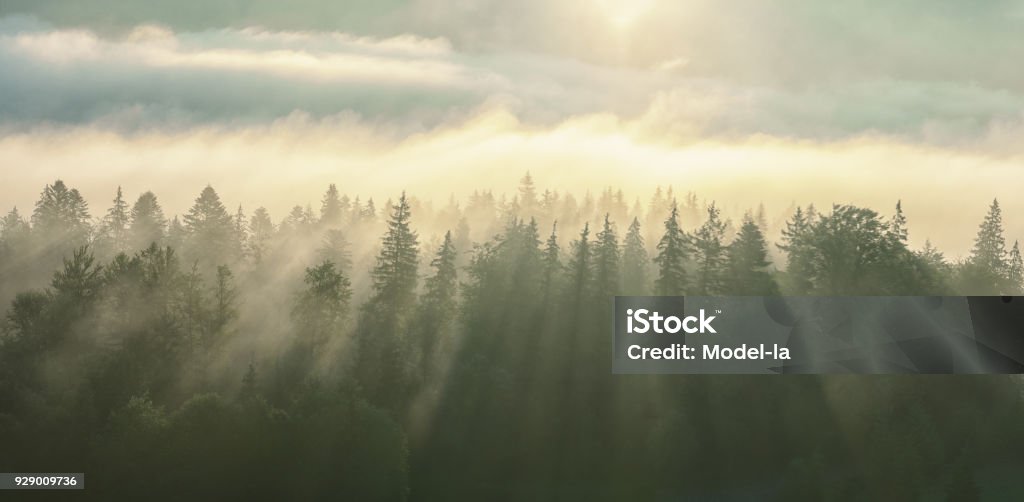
<point>527,195</point>
<point>710,253</point>
<point>635,261</point>
<point>796,243</point>
<point>579,272</point>
<point>331,207</point>
<point>176,233</point>
<point>394,276</point>
<point>61,213</point>
<point>115,224</point>
<point>147,222</point>
<point>747,262</point>
<point>211,232</point>
<point>241,233</point>
<point>898,225</point>
<point>438,304</point>
<point>672,254</point>
<point>224,305</point>
<point>989,246</point>
<point>334,248</point>
<point>1015,270</point>
<point>552,263</point>
<point>606,262</point>
<point>321,308</point>
<point>261,230</point>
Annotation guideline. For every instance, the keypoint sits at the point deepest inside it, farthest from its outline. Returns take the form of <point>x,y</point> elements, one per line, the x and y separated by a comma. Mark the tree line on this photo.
<point>342,352</point>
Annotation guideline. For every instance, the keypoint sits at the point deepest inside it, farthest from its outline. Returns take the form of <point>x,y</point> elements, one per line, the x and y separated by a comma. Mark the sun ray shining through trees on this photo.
<point>437,351</point>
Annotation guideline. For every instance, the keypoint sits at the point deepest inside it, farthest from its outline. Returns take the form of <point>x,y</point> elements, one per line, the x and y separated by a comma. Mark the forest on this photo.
<point>461,351</point>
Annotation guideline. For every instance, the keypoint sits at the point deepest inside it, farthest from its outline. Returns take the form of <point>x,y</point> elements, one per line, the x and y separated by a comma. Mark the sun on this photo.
<point>623,13</point>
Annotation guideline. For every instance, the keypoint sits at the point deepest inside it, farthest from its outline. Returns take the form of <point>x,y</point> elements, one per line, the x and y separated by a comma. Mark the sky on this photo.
<point>740,101</point>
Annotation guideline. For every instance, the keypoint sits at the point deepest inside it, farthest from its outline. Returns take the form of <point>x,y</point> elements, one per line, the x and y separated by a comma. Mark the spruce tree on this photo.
<point>61,214</point>
<point>747,263</point>
<point>990,246</point>
<point>635,261</point>
<point>797,244</point>
<point>552,263</point>
<point>331,208</point>
<point>147,222</point>
<point>671,259</point>
<point>241,233</point>
<point>394,276</point>
<point>261,230</point>
<point>115,224</point>
<point>334,248</point>
<point>438,305</point>
<point>322,306</point>
<point>1015,270</point>
<point>211,231</point>
<point>709,252</point>
<point>527,195</point>
<point>606,262</point>
<point>898,225</point>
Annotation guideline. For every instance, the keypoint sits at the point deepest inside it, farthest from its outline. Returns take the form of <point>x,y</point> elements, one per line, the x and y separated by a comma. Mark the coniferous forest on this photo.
<point>459,350</point>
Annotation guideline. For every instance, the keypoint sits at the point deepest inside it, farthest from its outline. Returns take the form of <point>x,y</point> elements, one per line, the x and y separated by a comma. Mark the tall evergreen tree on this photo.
<point>394,276</point>
<point>61,213</point>
<point>990,246</point>
<point>528,204</point>
<point>438,305</point>
<point>334,248</point>
<point>331,208</point>
<point>321,308</point>
<point>147,222</point>
<point>606,262</point>
<point>798,246</point>
<point>115,224</point>
<point>898,225</point>
<point>635,261</point>
<point>241,233</point>
<point>211,231</point>
<point>709,252</point>
<point>261,230</point>
<point>747,263</point>
<point>673,249</point>
<point>1015,270</point>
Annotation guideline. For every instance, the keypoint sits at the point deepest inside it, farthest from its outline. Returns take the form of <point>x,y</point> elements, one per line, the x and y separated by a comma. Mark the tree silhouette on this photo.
<point>673,249</point>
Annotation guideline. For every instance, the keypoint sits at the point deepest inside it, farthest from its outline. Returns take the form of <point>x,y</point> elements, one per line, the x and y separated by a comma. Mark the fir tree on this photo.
<point>796,243</point>
<point>331,207</point>
<point>1015,270</point>
<point>261,229</point>
<point>989,246</point>
<point>61,213</point>
<point>635,261</point>
<point>747,263</point>
<point>334,248</point>
<point>115,224</point>
<point>606,262</point>
<point>147,222</point>
<point>898,225</point>
<point>709,252</point>
<point>322,306</point>
<point>211,231</point>
<point>394,276</point>
<point>672,255</point>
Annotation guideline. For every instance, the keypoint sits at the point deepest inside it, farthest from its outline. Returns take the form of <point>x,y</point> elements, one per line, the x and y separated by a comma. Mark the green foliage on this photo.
<point>710,254</point>
<point>147,224</point>
<point>490,381</point>
<point>673,251</point>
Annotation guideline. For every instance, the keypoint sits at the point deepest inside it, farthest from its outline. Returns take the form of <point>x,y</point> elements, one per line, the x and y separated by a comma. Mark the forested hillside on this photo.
<point>460,351</point>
